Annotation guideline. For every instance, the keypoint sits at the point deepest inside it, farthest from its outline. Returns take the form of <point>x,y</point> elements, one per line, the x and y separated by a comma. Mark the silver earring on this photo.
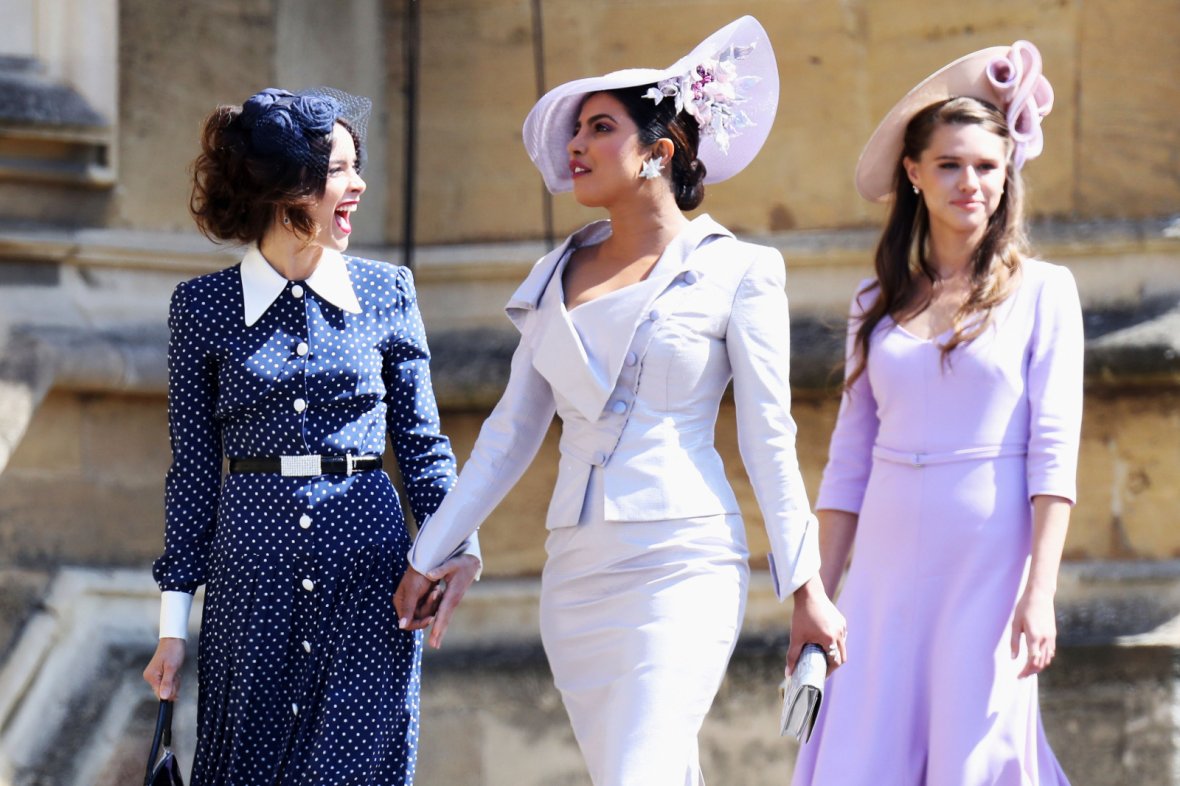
<point>916,189</point>
<point>652,168</point>
<point>286,219</point>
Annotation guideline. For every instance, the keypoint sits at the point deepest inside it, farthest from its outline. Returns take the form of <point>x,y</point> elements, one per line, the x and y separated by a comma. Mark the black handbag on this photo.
<point>163,770</point>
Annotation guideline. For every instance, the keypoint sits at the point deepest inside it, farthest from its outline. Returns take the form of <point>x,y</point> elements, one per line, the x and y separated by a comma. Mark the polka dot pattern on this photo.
<point>304,676</point>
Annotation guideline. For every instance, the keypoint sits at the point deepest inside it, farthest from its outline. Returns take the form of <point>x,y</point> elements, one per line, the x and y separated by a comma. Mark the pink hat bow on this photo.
<point>1027,97</point>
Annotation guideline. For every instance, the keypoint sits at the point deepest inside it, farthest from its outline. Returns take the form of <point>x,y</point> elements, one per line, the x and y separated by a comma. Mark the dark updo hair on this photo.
<point>237,194</point>
<point>662,121</point>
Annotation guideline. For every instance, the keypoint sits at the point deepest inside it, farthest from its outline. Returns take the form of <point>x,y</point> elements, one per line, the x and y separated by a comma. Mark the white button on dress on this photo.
<point>300,405</point>
<point>296,291</point>
<point>305,521</point>
<point>307,646</point>
<point>308,585</point>
<point>619,407</point>
<point>301,349</point>
<point>631,359</point>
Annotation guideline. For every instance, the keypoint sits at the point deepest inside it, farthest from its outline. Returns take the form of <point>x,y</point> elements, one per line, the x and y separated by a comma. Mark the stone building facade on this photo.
<point>100,106</point>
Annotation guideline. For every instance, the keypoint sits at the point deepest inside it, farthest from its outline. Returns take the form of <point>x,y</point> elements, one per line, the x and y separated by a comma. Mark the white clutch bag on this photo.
<point>803,692</point>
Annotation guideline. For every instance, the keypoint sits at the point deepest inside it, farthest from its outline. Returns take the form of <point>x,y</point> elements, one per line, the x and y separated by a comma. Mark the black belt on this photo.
<point>306,466</point>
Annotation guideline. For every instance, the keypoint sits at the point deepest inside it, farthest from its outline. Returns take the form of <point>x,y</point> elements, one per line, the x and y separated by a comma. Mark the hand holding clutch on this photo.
<point>803,692</point>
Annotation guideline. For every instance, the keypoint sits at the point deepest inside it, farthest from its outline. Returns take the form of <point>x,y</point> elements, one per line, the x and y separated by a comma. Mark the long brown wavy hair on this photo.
<point>901,257</point>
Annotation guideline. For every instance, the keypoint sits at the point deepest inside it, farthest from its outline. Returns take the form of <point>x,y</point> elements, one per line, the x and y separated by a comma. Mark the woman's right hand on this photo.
<point>415,600</point>
<point>163,672</point>
<point>816,620</point>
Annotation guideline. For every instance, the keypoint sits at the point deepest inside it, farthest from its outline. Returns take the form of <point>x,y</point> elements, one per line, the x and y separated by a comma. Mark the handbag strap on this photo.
<point>162,736</point>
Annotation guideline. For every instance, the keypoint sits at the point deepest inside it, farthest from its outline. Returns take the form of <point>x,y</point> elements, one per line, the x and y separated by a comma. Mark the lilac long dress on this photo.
<point>940,463</point>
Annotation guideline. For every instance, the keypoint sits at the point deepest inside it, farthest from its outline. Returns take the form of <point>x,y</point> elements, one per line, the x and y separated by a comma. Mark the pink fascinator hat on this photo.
<point>1008,77</point>
<point>728,83</point>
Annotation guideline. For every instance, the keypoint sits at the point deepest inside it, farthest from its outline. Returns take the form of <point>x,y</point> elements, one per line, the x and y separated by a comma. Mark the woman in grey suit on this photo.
<point>630,331</point>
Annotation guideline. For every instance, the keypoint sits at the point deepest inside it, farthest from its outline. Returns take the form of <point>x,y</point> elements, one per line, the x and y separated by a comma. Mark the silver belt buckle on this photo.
<point>300,466</point>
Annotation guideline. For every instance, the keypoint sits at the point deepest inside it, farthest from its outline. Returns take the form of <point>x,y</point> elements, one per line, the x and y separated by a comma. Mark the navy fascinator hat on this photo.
<point>297,127</point>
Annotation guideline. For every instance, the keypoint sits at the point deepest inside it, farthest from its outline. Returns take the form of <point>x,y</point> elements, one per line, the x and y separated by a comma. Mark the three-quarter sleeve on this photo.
<point>850,452</point>
<point>507,443</point>
<point>423,452</point>
<point>193,481</point>
<point>758,344</point>
<point>1055,367</point>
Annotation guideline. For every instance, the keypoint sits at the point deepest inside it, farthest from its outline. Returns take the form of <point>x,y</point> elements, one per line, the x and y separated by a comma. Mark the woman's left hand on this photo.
<point>1035,620</point>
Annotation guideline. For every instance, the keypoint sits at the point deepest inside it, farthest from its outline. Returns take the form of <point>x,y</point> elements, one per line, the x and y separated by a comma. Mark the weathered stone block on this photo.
<point>1144,440</point>
<point>213,53</point>
<point>476,85</point>
<point>1127,134</point>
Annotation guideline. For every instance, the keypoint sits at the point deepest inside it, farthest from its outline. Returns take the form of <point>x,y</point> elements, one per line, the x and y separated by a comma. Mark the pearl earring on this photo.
<point>916,189</point>
<point>652,168</point>
<point>286,219</point>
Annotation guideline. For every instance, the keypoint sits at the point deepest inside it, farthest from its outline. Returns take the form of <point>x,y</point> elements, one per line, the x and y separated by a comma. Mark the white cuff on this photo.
<point>474,550</point>
<point>174,611</point>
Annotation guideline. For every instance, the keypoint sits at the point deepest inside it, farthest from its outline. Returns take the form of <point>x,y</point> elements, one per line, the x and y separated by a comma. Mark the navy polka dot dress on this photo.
<point>304,675</point>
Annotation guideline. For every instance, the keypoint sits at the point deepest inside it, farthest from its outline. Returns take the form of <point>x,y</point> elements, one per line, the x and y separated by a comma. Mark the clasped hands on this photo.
<point>429,599</point>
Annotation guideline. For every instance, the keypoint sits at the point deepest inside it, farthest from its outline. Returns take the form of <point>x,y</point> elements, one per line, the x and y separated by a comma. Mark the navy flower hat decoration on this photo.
<point>297,127</point>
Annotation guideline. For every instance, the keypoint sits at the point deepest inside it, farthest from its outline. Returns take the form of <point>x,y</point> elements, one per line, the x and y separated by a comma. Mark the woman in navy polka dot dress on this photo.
<point>294,365</point>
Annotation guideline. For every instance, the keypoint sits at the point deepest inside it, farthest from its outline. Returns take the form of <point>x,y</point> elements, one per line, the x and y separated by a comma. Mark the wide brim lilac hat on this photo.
<point>1009,77</point>
<point>725,147</point>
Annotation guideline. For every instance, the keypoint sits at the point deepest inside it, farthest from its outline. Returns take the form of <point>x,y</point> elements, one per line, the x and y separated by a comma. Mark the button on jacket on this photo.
<point>715,309</point>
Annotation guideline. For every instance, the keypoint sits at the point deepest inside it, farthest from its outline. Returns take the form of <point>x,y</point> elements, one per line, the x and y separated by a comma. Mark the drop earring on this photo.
<point>916,189</point>
<point>652,168</point>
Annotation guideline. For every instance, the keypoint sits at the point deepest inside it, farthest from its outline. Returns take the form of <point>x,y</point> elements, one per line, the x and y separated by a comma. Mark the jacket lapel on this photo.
<point>528,295</point>
<point>676,258</point>
<point>618,331</point>
<point>560,357</point>
<point>558,353</point>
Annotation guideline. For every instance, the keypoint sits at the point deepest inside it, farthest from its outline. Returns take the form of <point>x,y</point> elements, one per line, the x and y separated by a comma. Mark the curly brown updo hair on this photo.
<point>662,121</point>
<point>238,194</point>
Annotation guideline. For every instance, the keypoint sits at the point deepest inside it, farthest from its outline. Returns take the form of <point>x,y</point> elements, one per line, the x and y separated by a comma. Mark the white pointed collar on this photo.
<point>262,284</point>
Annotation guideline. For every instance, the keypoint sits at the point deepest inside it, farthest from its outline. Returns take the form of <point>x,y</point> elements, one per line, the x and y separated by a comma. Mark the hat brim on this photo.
<point>550,124</point>
<point>966,76</point>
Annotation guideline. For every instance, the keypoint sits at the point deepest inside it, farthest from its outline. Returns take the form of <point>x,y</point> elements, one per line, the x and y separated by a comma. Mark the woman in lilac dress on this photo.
<point>953,459</point>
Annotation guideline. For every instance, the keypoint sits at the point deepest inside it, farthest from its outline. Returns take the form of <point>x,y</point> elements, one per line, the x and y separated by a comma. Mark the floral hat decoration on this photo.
<point>1009,77</point>
<point>297,127</point>
<point>728,83</point>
